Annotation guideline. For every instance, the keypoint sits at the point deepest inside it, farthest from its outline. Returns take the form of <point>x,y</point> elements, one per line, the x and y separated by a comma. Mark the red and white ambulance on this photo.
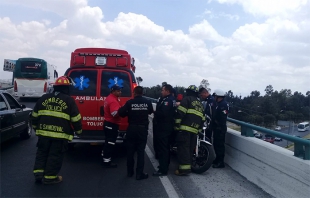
<point>94,71</point>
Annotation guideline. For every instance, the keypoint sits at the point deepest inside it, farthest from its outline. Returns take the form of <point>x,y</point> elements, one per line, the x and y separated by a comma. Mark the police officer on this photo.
<point>219,127</point>
<point>137,110</point>
<point>208,102</point>
<point>52,118</point>
<point>163,127</point>
<point>111,124</point>
<point>189,120</point>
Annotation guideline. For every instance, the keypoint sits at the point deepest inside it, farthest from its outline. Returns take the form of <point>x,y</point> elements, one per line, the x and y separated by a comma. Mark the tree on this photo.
<point>269,120</point>
<point>139,79</point>
<point>164,83</point>
<point>204,84</point>
<point>255,93</point>
<point>269,90</point>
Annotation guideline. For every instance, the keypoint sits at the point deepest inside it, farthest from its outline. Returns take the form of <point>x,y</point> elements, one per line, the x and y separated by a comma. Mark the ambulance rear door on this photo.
<point>123,78</point>
<point>85,94</point>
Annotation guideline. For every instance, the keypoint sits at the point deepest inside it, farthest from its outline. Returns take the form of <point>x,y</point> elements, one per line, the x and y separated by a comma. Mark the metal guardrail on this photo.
<point>301,146</point>
<point>153,100</point>
<point>6,88</point>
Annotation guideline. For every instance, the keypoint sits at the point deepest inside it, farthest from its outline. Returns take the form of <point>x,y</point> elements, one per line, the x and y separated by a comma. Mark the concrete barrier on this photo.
<point>272,168</point>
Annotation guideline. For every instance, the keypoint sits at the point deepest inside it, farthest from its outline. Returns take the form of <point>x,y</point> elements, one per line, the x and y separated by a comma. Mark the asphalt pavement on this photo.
<point>84,176</point>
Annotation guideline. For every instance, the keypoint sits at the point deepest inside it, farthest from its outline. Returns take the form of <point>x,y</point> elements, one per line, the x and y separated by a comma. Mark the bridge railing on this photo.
<point>301,146</point>
<point>153,100</point>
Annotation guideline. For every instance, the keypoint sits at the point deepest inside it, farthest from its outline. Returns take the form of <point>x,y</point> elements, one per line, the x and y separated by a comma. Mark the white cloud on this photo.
<point>59,43</point>
<point>274,52</point>
<point>205,31</point>
<point>269,7</point>
<point>212,15</point>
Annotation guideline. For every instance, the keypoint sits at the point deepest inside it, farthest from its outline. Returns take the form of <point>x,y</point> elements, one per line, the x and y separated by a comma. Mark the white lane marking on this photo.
<point>164,180</point>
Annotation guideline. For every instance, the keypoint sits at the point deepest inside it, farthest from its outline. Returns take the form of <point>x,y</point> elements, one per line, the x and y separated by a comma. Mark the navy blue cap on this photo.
<point>116,87</point>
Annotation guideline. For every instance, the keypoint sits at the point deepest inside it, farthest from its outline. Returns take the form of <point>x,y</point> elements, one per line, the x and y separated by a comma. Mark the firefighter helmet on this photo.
<point>219,92</point>
<point>193,88</point>
<point>64,80</point>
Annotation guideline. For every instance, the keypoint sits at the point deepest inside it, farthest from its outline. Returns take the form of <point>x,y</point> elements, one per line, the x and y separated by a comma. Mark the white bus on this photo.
<point>33,77</point>
<point>304,126</point>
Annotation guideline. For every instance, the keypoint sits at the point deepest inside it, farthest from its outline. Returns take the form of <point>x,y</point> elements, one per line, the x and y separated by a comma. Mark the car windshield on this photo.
<point>300,126</point>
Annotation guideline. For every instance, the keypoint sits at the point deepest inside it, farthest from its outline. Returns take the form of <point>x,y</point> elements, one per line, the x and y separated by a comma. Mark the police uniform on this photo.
<point>53,117</point>
<point>189,120</point>
<point>163,128</point>
<point>219,130</point>
<point>137,110</point>
<point>208,109</point>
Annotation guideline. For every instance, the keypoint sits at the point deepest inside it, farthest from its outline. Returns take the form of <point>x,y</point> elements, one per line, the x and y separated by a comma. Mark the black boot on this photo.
<point>109,165</point>
<point>142,176</point>
<point>219,165</point>
<point>130,173</point>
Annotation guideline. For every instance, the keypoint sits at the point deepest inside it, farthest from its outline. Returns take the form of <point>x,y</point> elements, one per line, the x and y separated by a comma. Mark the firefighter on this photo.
<point>111,124</point>
<point>219,128</point>
<point>163,128</point>
<point>207,101</point>
<point>55,117</point>
<point>189,120</point>
<point>137,110</point>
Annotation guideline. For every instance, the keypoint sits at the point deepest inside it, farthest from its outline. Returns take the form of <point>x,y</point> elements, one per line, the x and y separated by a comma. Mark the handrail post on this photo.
<point>298,149</point>
<point>246,131</point>
<point>307,152</point>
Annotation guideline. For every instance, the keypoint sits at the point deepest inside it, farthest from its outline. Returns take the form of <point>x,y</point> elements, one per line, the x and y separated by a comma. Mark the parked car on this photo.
<point>14,117</point>
<point>278,128</point>
<point>258,135</point>
<point>277,139</point>
<point>269,138</point>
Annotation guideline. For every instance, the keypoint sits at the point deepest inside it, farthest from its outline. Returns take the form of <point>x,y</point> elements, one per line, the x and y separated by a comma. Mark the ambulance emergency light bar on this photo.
<point>101,59</point>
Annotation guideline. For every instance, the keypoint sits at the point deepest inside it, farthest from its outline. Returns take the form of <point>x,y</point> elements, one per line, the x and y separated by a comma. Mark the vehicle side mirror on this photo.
<point>23,106</point>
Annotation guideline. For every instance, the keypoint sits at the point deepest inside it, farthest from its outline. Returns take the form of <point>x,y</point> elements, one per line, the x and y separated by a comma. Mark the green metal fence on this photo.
<point>301,146</point>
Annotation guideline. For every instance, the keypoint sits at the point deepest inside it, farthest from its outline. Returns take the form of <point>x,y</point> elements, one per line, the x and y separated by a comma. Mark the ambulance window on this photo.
<point>85,82</point>
<point>109,78</point>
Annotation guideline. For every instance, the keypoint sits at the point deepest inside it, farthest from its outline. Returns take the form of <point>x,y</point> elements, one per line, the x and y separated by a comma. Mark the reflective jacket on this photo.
<point>190,115</point>
<point>56,115</point>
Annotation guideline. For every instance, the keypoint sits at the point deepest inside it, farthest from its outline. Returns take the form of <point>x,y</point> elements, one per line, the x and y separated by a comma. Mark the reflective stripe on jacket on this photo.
<point>189,116</point>
<point>56,115</point>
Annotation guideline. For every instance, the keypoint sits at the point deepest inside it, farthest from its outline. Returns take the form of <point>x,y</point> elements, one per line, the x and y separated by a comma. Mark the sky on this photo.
<point>237,45</point>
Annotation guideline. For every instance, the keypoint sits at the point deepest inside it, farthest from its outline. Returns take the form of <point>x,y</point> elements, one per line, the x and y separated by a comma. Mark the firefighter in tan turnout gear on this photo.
<point>55,118</point>
<point>189,120</point>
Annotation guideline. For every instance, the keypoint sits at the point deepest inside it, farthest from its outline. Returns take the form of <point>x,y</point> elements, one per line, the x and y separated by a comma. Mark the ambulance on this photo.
<point>95,71</point>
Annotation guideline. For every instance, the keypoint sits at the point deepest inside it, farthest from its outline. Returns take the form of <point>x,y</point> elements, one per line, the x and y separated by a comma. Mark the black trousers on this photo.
<point>163,151</point>
<point>111,133</point>
<point>219,144</point>
<point>209,134</point>
<point>136,139</point>
<point>49,157</point>
<point>186,142</point>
